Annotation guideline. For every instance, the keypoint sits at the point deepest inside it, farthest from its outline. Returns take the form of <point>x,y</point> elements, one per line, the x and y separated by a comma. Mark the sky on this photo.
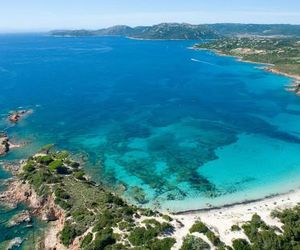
<point>44,15</point>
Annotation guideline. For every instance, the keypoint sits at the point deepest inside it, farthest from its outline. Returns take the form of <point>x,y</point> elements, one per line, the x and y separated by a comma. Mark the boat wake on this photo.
<point>199,61</point>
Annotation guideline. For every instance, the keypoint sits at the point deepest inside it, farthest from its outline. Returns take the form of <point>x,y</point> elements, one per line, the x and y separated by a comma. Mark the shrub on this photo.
<point>58,166</point>
<point>104,220</point>
<point>257,221</point>
<point>151,222</point>
<point>235,228</point>
<point>103,239</point>
<point>68,234</point>
<point>54,165</point>
<point>79,175</point>
<point>38,179</point>
<point>191,242</point>
<point>215,240</point>
<point>87,240</point>
<point>241,244</point>
<point>63,204</point>
<point>74,164</point>
<point>165,227</point>
<point>62,194</point>
<point>141,235</point>
<point>167,217</point>
<point>44,159</point>
<point>147,212</point>
<point>80,214</point>
<point>163,244</point>
<point>29,167</point>
<point>199,227</point>
<point>62,155</point>
<point>125,225</point>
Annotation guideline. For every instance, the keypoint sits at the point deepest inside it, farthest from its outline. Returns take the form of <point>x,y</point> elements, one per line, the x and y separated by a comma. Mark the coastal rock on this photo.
<point>23,217</point>
<point>15,243</point>
<point>15,116</point>
<point>44,208</point>
<point>49,215</point>
<point>4,144</point>
<point>18,192</point>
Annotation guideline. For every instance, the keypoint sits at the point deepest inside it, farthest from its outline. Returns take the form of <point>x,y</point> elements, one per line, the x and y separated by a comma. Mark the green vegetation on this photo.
<point>199,227</point>
<point>88,206</point>
<point>152,229</point>
<point>86,240</point>
<point>160,31</point>
<point>191,242</point>
<point>28,167</point>
<point>262,236</point>
<point>235,228</point>
<point>284,53</point>
<point>162,244</point>
<point>44,159</point>
<point>187,31</point>
<point>167,217</point>
<point>215,240</point>
<point>241,244</point>
<point>102,220</point>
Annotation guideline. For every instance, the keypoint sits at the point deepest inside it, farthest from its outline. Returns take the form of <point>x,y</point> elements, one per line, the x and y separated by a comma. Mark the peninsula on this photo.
<point>281,55</point>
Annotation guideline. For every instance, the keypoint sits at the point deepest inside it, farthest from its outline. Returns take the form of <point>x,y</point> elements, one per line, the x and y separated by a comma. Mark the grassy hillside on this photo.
<point>284,53</point>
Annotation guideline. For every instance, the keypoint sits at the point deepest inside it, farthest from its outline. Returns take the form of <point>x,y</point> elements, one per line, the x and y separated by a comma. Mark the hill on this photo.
<point>160,31</point>
<point>184,31</point>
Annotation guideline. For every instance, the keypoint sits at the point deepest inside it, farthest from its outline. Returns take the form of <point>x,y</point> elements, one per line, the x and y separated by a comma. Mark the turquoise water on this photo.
<point>28,232</point>
<point>187,127</point>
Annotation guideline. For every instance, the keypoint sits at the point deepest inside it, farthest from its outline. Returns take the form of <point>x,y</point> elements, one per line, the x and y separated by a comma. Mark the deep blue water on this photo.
<point>187,127</point>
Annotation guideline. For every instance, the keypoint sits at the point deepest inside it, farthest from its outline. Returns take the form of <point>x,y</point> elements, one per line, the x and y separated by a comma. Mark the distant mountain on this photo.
<point>160,31</point>
<point>188,31</point>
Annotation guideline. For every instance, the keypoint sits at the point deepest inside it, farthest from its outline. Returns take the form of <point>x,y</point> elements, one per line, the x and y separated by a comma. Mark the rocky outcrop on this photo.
<point>15,243</point>
<point>15,116</point>
<point>4,144</point>
<point>23,217</point>
<point>42,207</point>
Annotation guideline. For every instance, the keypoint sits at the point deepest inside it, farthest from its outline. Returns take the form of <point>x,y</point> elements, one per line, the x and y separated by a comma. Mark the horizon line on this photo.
<point>46,30</point>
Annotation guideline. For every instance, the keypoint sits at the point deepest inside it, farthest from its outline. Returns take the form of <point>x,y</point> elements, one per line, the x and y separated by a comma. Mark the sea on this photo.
<point>163,125</point>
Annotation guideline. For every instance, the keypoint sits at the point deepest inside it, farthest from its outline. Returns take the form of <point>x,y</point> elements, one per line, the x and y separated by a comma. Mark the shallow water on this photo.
<point>28,232</point>
<point>187,127</point>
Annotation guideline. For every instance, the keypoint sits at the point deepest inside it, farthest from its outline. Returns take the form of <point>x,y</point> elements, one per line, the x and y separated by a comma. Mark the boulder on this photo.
<point>23,217</point>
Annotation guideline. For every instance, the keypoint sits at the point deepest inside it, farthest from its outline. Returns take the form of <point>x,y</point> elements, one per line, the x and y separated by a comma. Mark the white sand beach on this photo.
<point>220,220</point>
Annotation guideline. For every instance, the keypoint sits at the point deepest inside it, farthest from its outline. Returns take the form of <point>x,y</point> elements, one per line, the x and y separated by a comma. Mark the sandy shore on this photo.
<point>220,220</point>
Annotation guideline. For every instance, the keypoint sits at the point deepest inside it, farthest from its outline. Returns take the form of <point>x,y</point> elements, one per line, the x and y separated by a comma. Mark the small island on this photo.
<point>15,116</point>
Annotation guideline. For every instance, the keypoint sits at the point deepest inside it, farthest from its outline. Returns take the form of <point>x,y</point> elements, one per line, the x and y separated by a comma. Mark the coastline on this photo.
<point>221,219</point>
<point>218,219</point>
<point>242,203</point>
<point>215,217</point>
<point>43,208</point>
<point>265,66</point>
